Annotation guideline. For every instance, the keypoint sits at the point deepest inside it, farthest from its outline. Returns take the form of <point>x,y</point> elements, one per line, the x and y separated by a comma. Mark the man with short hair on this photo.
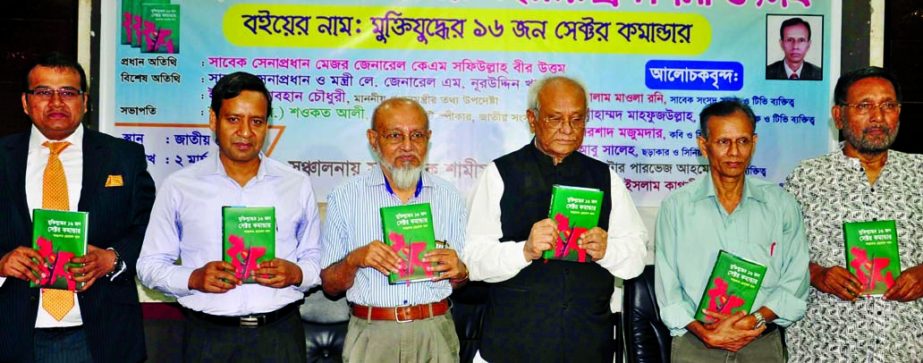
<point>228,320</point>
<point>795,41</point>
<point>863,181</point>
<point>59,164</point>
<point>406,322</point>
<point>747,217</point>
<point>550,310</point>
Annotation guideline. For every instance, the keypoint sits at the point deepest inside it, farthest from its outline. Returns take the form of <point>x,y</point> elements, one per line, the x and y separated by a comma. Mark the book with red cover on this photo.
<point>249,238</point>
<point>59,236</point>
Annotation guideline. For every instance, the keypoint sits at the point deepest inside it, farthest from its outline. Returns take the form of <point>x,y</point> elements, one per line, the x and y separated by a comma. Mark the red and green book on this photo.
<point>159,27</point>
<point>732,286</point>
<point>58,236</point>
<point>872,254</point>
<point>408,230</point>
<point>575,211</point>
<point>249,238</point>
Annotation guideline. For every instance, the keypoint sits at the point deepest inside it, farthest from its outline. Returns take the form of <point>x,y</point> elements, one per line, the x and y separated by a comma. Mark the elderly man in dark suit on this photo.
<point>795,40</point>
<point>59,164</point>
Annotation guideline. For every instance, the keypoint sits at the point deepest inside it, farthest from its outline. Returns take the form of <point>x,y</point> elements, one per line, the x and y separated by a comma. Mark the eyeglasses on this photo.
<point>742,142</point>
<point>45,93</point>
<point>394,137</point>
<point>576,121</point>
<point>866,107</point>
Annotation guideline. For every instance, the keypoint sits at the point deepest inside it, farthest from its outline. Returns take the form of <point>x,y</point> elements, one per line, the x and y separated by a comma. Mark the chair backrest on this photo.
<point>646,338</point>
<point>324,320</point>
<point>469,304</point>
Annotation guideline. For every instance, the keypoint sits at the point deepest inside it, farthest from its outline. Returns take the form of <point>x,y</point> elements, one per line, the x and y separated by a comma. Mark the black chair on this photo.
<point>469,304</point>
<point>646,338</point>
<point>468,307</point>
<point>325,320</point>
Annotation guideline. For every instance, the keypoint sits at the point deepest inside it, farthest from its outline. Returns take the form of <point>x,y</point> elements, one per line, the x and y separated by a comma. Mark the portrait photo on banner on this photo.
<point>794,47</point>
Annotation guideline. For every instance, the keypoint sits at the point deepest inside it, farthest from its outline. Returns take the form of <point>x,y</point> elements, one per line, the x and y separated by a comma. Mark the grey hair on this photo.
<point>394,100</point>
<point>537,86</point>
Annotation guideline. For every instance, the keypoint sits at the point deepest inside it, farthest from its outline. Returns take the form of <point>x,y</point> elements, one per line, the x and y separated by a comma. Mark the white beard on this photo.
<point>402,177</point>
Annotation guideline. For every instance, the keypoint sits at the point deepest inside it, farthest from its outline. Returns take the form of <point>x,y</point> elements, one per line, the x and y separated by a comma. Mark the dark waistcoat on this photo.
<point>551,311</point>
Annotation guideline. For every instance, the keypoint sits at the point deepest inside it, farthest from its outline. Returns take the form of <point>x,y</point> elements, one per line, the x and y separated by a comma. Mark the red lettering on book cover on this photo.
<point>411,253</point>
<point>869,272</point>
<point>244,259</point>
<point>720,301</point>
<point>58,262</point>
<point>567,238</point>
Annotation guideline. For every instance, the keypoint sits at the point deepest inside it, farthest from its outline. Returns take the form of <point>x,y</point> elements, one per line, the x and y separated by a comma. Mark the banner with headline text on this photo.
<point>649,66</point>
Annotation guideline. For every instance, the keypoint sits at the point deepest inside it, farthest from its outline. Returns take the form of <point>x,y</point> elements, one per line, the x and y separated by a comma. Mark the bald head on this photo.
<point>562,83</point>
<point>397,105</point>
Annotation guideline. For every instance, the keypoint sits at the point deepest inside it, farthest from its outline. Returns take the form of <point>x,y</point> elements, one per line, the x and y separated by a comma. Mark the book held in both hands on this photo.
<point>872,254</point>
<point>408,230</point>
<point>249,238</point>
<point>575,211</point>
<point>58,236</point>
<point>732,286</point>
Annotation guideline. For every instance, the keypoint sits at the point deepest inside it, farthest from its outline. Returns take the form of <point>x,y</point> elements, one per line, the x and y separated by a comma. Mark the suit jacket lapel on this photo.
<point>17,153</point>
<point>93,158</point>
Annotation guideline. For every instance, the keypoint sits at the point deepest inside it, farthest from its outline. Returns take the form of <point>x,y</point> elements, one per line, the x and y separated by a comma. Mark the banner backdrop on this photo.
<point>649,66</point>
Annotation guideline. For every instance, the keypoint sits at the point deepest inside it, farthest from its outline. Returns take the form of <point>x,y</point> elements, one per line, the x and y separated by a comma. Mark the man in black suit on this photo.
<point>102,175</point>
<point>795,40</point>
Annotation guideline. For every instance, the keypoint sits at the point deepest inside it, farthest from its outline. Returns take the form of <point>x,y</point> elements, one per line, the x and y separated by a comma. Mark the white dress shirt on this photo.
<point>789,71</point>
<point>186,225</point>
<point>491,261</point>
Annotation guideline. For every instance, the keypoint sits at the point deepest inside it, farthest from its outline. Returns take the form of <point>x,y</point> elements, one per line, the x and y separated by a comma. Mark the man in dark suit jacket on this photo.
<point>808,71</point>
<point>104,322</point>
<point>795,40</point>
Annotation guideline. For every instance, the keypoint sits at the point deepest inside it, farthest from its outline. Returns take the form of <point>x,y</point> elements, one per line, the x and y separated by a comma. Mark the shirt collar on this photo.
<point>36,139</point>
<point>706,190</point>
<point>378,179</point>
<point>853,163</point>
<point>789,71</point>
<point>217,168</point>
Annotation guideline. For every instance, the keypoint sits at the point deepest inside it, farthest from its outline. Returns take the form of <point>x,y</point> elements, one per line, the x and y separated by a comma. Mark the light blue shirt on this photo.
<point>186,225</point>
<point>353,220</point>
<point>766,227</point>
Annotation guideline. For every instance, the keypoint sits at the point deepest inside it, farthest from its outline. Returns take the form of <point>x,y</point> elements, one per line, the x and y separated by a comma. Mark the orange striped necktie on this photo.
<point>54,196</point>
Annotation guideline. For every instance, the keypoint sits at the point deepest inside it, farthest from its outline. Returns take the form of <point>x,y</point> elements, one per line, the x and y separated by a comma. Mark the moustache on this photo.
<point>882,129</point>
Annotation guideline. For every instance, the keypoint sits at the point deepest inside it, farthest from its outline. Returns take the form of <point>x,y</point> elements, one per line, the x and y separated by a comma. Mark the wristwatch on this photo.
<point>118,266</point>
<point>760,320</point>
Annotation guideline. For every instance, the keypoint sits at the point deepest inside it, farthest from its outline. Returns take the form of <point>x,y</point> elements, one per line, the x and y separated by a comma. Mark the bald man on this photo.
<point>550,311</point>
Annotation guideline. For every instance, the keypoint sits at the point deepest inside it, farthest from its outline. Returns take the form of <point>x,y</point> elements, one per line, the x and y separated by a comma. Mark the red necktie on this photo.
<point>793,76</point>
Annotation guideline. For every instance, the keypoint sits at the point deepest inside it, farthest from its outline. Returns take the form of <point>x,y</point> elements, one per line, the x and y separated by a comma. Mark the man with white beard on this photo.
<point>401,322</point>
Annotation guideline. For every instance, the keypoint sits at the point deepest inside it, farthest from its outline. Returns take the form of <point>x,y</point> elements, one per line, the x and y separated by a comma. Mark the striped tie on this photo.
<point>54,196</point>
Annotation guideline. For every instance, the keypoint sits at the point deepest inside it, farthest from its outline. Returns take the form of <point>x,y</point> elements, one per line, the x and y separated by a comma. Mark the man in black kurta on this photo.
<point>538,310</point>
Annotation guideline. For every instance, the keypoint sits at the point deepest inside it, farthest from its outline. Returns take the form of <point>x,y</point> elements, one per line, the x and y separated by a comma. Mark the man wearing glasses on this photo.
<point>61,165</point>
<point>406,321</point>
<point>862,181</point>
<point>539,310</point>
<point>749,218</point>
